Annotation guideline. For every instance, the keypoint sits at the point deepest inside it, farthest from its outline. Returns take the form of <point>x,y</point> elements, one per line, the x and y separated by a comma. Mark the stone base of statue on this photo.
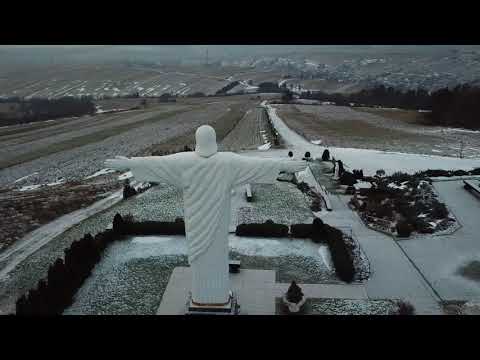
<point>255,290</point>
<point>230,308</point>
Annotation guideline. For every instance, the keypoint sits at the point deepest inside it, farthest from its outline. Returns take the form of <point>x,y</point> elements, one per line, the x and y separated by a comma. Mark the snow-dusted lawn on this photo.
<point>350,307</point>
<point>281,202</point>
<point>134,273</point>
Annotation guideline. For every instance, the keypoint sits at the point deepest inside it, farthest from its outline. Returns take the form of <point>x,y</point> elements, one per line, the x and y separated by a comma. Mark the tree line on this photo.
<point>459,106</point>
<point>38,109</point>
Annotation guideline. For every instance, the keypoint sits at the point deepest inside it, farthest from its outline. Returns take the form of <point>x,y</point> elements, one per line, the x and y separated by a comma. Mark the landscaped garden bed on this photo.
<point>327,306</point>
<point>402,204</point>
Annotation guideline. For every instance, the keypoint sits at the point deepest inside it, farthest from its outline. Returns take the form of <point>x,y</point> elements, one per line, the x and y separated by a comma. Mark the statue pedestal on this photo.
<point>231,308</point>
<point>254,290</point>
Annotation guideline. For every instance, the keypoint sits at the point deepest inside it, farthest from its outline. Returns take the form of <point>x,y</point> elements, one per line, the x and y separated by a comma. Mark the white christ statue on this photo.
<point>207,178</point>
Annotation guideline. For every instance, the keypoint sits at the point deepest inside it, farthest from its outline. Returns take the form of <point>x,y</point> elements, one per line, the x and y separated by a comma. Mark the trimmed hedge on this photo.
<point>122,227</point>
<point>301,231</point>
<point>54,294</point>
<point>267,229</point>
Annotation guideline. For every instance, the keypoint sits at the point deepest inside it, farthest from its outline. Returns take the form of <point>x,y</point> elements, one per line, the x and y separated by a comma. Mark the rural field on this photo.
<point>380,129</point>
<point>106,81</point>
<point>53,167</point>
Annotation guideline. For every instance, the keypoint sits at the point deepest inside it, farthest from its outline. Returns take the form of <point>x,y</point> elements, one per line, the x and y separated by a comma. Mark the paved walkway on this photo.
<point>393,275</point>
<point>256,291</point>
<point>439,257</point>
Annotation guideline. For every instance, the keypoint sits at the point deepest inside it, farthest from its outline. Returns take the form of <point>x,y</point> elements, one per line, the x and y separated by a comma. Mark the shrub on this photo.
<point>347,178</point>
<point>404,229</point>
<point>422,226</point>
<point>341,256</point>
<point>435,173</point>
<point>128,191</point>
<point>350,190</point>
<point>358,174</point>
<point>267,229</point>
<point>316,205</point>
<point>439,210</point>
<point>326,155</point>
<point>460,173</point>
<point>119,226</point>
<point>340,167</point>
<point>382,211</point>
<point>399,177</point>
<point>319,233</point>
<point>290,154</point>
<point>405,308</point>
<point>380,172</point>
<point>157,228</point>
<point>475,171</point>
<point>307,155</point>
<point>303,187</point>
<point>294,293</point>
<point>301,230</point>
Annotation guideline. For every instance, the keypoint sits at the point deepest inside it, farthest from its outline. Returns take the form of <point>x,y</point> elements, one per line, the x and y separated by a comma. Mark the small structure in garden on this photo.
<point>248,193</point>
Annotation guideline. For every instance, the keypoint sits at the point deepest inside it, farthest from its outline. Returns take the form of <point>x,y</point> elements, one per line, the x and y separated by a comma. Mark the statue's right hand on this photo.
<point>120,163</point>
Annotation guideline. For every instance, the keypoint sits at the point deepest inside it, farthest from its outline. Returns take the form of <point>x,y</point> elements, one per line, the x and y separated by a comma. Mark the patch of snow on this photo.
<point>30,187</point>
<point>125,176</point>
<point>392,185</point>
<point>362,185</point>
<point>316,142</point>
<point>326,257</point>
<point>177,245</point>
<point>25,177</point>
<point>100,172</point>
<point>58,182</point>
<point>265,146</point>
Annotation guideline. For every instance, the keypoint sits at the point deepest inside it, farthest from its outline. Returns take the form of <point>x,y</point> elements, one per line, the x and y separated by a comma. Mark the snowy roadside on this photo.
<point>369,160</point>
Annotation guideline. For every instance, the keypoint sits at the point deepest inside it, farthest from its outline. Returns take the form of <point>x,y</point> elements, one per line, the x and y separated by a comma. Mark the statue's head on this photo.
<point>205,141</point>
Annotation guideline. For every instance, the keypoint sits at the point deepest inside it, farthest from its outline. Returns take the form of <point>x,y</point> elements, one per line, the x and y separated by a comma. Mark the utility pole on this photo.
<point>206,58</point>
<point>462,145</point>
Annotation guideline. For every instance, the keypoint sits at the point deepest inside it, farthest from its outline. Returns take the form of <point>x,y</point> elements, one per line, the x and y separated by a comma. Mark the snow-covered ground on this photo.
<point>370,160</point>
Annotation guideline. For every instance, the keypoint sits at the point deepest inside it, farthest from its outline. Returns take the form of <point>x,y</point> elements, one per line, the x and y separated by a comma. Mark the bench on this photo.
<point>234,266</point>
<point>248,193</point>
<point>472,187</point>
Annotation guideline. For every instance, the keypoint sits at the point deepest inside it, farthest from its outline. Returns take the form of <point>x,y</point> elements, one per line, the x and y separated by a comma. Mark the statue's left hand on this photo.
<point>120,163</point>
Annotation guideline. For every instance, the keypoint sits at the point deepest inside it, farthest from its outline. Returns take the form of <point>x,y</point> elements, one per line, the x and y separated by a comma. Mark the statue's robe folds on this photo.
<point>207,183</point>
